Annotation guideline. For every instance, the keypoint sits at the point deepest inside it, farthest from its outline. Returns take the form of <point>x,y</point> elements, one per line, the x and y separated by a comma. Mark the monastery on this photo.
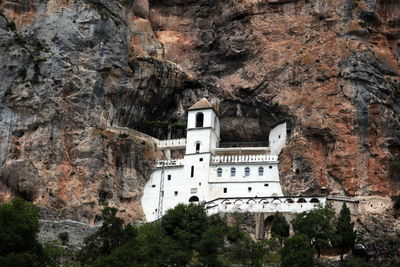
<point>226,179</point>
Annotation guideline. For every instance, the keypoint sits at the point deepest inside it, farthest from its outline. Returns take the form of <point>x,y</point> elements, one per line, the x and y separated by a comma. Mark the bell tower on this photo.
<point>203,129</point>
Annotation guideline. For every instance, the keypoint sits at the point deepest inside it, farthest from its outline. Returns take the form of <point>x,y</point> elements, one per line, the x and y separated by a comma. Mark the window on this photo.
<point>169,177</point>
<point>270,167</point>
<point>233,172</point>
<point>197,147</point>
<point>219,172</point>
<point>261,171</point>
<point>247,171</point>
<point>176,193</point>
<point>192,172</point>
<point>200,159</point>
<point>193,190</point>
<point>265,184</point>
<point>249,189</point>
<point>225,190</point>
<point>199,119</point>
<point>153,185</point>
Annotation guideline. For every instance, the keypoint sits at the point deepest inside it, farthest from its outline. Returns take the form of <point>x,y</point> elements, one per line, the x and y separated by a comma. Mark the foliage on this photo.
<point>279,227</point>
<point>396,200</point>
<point>18,236</point>
<point>297,252</point>
<point>357,262</point>
<point>345,235</point>
<point>111,235</point>
<point>64,238</point>
<point>317,225</point>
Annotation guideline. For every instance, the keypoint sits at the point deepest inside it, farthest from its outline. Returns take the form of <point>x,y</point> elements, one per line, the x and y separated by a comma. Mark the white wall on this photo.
<point>277,138</point>
<point>209,115</point>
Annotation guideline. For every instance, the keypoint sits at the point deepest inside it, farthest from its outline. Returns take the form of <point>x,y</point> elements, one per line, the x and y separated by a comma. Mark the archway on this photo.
<point>193,199</point>
<point>267,226</point>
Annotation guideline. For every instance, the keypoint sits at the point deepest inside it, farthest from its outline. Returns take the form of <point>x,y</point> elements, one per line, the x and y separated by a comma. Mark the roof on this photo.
<point>201,104</point>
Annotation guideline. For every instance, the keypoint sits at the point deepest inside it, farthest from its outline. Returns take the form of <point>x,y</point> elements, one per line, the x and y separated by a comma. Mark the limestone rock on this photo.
<point>71,71</point>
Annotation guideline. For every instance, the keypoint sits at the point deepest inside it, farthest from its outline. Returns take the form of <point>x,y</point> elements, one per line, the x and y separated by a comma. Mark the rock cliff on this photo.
<point>73,71</point>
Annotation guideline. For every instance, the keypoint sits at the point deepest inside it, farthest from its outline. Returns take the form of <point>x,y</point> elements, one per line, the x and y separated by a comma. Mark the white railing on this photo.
<point>267,204</point>
<point>244,158</point>
<point>170,143</point>
<point>169,163</point>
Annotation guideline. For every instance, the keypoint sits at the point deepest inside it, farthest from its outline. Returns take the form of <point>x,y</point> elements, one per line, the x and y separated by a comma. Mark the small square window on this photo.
<point>225,190</point>
<point>199,183</point>
<point>193,190</point>
<point>201,159</point>
<point>265,184</point>
<point>153,185</point>
<point>176,193</point>
<point>169,177</point>
<point>249,189</point>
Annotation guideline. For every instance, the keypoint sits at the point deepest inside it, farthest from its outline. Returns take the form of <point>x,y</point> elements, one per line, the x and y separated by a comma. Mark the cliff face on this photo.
<point>72,70</point>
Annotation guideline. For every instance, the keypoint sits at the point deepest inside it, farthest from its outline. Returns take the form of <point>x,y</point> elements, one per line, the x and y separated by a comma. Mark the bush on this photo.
<point>64,238</point>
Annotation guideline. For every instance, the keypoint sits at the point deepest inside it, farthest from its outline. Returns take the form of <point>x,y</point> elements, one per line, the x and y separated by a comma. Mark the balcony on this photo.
<point>243,159</point>
<point>172,144</point>
<point>169,163</point>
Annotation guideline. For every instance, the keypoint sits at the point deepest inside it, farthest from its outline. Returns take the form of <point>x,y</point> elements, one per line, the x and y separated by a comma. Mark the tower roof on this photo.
<point>201,104</point>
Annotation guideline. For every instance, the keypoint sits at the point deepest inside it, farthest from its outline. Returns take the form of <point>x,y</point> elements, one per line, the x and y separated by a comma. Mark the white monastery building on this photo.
<point>225,179</point>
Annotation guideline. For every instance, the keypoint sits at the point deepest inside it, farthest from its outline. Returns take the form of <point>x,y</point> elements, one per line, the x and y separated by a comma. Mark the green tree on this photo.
<point>297,252</point>
<point>184,225</point>
<point>345,236</point>
<point>19,227</point>
<point>317,225</point>
<point>111,235</point>
<point>211,241</point>
<point>279,227</point>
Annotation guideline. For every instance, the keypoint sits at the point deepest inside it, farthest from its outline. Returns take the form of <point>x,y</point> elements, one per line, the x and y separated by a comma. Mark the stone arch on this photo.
<point>194,199</point>
<point>267,226</point>
<point>251,201</point>
<point>276,200</point>
<point>314,200</point>
<point>238,201</point>
<point>301,200</point>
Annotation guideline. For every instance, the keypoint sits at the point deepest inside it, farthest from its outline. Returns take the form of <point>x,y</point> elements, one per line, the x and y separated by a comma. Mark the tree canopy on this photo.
<point>317,225</point>
<point>19,227</point>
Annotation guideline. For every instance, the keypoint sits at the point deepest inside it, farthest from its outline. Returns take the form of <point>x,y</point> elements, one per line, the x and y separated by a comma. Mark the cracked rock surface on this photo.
<point>71,70</point>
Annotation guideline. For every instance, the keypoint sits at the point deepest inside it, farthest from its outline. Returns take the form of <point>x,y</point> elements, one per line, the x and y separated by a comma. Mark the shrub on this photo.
<point>64,238</point>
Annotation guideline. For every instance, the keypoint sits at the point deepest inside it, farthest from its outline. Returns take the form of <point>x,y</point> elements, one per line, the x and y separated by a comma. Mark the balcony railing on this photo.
<point>169,163</point>
<point>243,158</point>
<point>172,143</point>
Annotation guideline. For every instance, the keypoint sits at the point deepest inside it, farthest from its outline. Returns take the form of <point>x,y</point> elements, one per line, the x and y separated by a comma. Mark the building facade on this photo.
<point>225,178</point>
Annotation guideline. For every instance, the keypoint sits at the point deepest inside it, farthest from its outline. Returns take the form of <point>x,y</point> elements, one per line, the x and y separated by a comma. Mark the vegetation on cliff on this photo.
<point>186,236</point>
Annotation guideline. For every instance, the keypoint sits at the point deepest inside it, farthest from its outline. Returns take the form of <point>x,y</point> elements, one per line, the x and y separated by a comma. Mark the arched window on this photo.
<point>233,172</point>
<point>247,171</point>
<point>197,147</point>
<point>261,171</point>
<point>193,199</point>
<point>314,200</point>
<point>192,172</point>
<point>219,172</point>
<point>199,119</point>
